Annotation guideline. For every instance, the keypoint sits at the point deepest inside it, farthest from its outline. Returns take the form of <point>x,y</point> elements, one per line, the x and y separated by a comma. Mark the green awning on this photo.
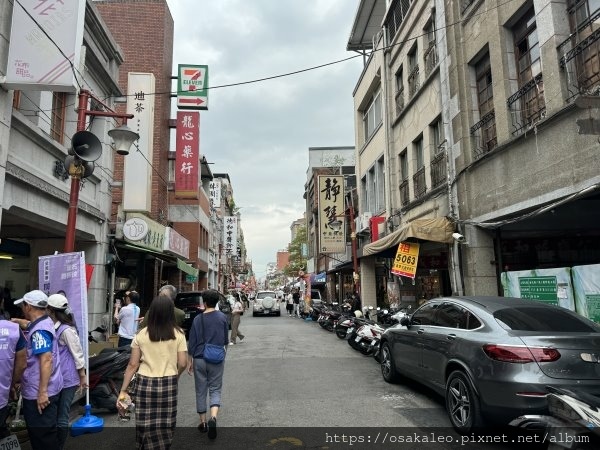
<point>185,267</point>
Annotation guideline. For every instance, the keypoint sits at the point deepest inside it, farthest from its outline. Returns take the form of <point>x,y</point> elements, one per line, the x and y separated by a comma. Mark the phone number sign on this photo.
<point>405,262</point>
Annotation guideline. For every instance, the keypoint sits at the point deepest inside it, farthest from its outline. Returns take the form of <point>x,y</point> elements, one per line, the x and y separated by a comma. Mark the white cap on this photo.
<point>58,301</point>
<point>35,298</point>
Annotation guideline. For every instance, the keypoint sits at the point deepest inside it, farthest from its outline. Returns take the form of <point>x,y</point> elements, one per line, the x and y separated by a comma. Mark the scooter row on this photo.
<point>362,332</point>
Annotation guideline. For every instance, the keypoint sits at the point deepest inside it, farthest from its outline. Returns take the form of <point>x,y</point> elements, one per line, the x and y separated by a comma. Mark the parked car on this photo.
<point>192,304</point>
<point>265,304</point>
<point>315,296</point>
<point>492,357</point>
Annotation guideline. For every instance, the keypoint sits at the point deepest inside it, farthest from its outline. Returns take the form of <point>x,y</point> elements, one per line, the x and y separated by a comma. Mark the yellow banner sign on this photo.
<point>407,256</point>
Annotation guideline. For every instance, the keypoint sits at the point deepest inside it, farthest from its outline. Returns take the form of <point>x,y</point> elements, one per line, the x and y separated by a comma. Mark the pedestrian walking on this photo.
<point>209,328</point>
<point>158,358</point>
<point>72,361</point>
<point>169,291</point>
<point>296,299</point>
<point>42,380</point>
<point>289,304</point>
<point>236,316</point>
<point>13,360</point>
<point>127,318</point>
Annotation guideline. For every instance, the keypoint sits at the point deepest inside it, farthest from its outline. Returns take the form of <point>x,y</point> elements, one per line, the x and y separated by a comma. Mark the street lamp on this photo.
<point>87,148</point>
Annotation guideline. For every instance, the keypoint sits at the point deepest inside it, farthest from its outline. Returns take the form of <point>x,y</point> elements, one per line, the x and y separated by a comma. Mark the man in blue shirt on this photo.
<point>42,379</point>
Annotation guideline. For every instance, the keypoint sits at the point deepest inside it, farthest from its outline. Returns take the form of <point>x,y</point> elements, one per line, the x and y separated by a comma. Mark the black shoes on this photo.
<point>203,428</point>
<point>212,428</point>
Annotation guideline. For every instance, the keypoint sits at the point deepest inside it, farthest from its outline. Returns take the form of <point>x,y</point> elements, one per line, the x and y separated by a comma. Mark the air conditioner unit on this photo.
<point>362,222</point>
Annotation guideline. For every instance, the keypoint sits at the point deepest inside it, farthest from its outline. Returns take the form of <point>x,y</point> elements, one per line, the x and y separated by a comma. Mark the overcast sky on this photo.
<point>260,133</point>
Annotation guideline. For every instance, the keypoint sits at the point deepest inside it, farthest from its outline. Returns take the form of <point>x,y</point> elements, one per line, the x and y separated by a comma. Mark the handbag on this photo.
<point>213,354</point>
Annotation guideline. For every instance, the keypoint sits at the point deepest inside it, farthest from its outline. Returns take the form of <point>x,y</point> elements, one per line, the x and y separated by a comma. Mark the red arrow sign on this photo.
<point>197,101</point>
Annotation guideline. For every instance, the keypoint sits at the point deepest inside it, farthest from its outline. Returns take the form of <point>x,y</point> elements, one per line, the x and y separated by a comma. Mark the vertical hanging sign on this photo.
<point>214,190</point>
<point>230,235</point>
<point>187,154</point>
<point>332,216</point>
<point>137,167</point>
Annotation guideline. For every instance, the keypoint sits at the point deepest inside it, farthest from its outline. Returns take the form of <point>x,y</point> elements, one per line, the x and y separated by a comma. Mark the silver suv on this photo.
<point>266,303</point>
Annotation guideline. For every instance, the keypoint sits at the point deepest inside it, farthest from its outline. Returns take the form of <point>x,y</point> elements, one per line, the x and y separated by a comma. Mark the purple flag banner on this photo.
<point>66,272</point>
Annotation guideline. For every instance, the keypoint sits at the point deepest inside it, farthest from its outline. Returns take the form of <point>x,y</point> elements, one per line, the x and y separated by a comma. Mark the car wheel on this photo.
<point>462,404</point>
<point>388,368</point>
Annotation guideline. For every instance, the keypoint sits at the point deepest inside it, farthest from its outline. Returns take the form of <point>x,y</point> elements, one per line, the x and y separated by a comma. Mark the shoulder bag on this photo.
<point>213,354</point>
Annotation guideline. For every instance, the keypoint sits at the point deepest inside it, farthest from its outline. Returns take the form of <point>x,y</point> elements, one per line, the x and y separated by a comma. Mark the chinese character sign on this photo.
<point>214,192</point>
<point>66,272</point>
<point>405,262</point>
<point>187,154</point>
<point>332,214</point>
<point>230,231</point>
<point>137,171</point>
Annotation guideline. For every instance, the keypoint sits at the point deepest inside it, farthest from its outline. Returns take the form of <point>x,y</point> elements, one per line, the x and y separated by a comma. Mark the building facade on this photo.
<point>35,137</point>
<point>466,117</point>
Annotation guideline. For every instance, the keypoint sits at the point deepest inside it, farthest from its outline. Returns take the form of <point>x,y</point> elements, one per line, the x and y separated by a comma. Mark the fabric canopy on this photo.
<point>439,229</point>
<point>186,268</point>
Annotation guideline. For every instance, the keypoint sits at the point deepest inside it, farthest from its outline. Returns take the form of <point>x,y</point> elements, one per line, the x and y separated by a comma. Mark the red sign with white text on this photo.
<point>187,154</point>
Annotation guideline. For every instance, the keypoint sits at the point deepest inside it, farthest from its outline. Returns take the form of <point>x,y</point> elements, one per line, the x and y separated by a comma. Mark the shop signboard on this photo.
<point>192,87</point>
<point>176,244</point>
<point>142,231</point>
<point>543,289</point>
<point>552,286</point>
<point>407,257</point>
<point>187,154</point>
<point>332,215</point>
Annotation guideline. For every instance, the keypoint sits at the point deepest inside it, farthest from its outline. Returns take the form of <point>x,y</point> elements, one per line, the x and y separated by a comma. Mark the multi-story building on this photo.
<point>527,182</point>
<point>333,162</point>
<point>38,123</point>
<point>466,123</point>
<point>401,146</point>
<point>175,250</point>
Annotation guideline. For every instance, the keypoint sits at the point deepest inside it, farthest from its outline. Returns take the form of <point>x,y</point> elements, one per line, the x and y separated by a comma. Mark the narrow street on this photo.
<point>292,384</point>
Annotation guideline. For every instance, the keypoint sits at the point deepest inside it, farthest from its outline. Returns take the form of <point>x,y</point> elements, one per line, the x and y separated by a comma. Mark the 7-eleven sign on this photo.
<point>192,87</point>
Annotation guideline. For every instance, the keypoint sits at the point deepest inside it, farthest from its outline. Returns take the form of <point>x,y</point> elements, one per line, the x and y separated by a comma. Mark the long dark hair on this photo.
<point>161,319</point>
<point>62,316</point>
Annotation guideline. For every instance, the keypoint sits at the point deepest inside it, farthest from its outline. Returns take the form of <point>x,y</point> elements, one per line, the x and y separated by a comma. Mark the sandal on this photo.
<point>203,427</point>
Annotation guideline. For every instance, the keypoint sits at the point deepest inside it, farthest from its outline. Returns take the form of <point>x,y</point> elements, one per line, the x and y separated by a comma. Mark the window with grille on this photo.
<point>584,16</point>
<point>528,102</point>
<point>419,176</point>
<point>413,75</point>
<point>403,162</point>
<point>57,126</point>
<point>485,99</point>
<point>430,56</point>
<point>372,117</point>
<point>399,78</point>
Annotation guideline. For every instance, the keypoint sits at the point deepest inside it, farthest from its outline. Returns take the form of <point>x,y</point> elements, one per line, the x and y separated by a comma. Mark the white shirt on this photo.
<point>128,324</point>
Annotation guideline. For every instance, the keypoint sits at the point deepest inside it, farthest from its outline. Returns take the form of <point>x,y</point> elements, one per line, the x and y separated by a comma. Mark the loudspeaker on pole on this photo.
<point>86,146</point>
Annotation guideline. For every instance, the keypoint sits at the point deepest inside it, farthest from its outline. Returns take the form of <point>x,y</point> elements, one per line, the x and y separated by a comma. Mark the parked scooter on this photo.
<point>106,376</point>
<point>573,421</point>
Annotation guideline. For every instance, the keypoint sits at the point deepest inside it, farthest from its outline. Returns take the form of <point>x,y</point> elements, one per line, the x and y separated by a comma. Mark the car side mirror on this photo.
<point>405,321</point>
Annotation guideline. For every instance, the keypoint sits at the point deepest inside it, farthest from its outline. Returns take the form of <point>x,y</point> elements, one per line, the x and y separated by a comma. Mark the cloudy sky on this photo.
<point>259,133</point>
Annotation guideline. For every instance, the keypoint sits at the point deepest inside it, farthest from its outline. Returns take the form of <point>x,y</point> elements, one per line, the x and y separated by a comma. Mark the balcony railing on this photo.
<point>438,169</point>
<point>404,194</point>
<point>413,81</point>
<point>419,182</point>
<point>399,102</point>
<point>484,133</point>
<point>580,57</point>
<point>431,59</point>
<point>527,105</point>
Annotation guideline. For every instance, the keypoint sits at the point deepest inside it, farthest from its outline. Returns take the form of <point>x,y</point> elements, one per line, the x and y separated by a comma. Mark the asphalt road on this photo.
<point>291,384</point>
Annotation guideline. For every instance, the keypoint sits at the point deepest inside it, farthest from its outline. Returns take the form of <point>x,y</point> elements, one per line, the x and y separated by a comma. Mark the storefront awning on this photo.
<point>186,268</point>
<point>439,229</point>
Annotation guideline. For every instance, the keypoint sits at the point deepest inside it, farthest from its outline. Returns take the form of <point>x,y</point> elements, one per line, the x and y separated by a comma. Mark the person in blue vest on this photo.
<point>13,359</point>
<point>72,361</point>
<point>42,379</point>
